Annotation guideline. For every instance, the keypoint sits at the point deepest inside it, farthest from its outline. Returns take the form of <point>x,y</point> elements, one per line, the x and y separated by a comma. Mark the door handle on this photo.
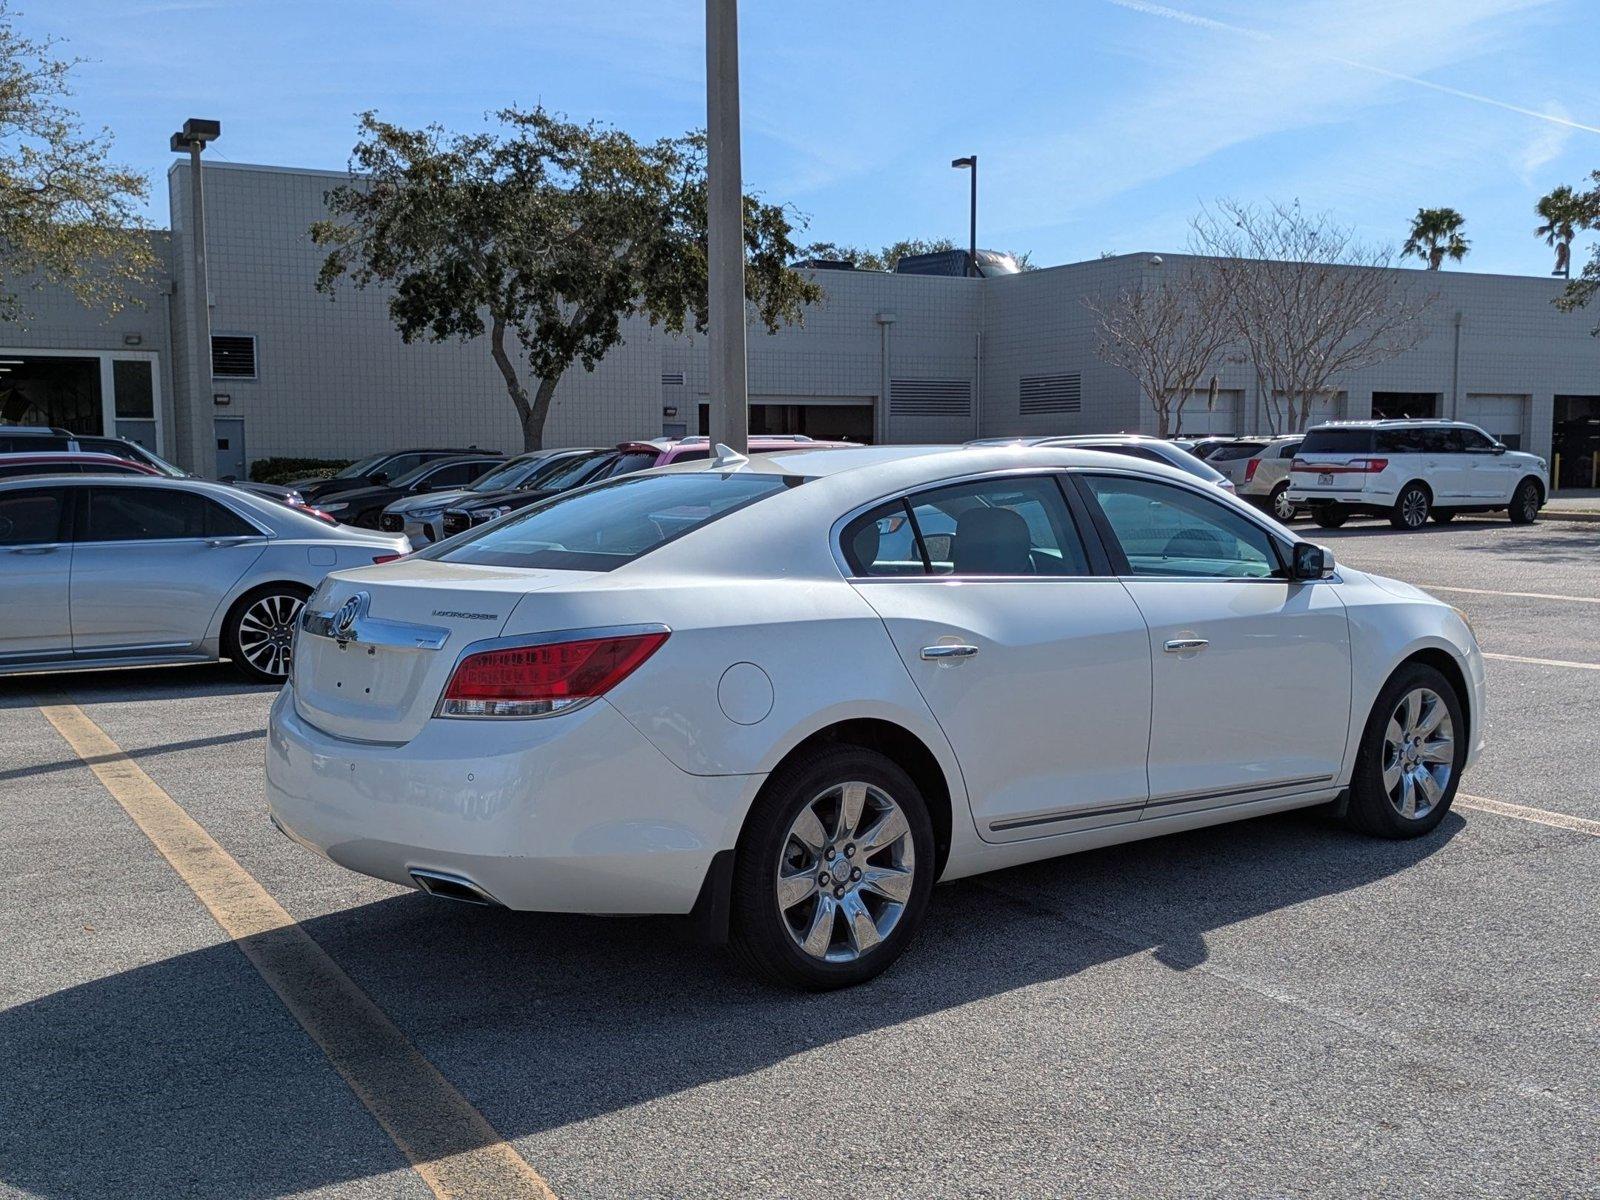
<point>934,653</point>
<point>1181,645</point>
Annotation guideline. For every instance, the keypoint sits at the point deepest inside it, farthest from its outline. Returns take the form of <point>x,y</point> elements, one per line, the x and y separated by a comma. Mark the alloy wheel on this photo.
<point>266,632</point>
<point>1282,506</point>
<point>1414,508</point>
<point>1419,753</point>
<point>846,871</point>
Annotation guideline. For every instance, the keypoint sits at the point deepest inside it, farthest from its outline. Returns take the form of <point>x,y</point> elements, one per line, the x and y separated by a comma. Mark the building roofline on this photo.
<point>182,164</point>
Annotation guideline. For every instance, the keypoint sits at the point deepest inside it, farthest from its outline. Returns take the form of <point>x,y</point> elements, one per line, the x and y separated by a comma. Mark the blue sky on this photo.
<point>1100,125</point>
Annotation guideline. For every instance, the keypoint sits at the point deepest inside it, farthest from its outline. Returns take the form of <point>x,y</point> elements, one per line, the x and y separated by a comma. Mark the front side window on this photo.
<point>1473,440</point>
<point>1169,531</point>
<point>130,514</point>
<point>612,523</point>
<point>31,516</point>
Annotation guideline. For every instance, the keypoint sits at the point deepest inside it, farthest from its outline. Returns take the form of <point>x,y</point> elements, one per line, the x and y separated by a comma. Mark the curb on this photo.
<point>1570,514</point>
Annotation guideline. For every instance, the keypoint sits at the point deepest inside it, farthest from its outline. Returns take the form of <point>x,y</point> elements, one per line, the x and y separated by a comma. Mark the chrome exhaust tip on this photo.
<point>452,887</point>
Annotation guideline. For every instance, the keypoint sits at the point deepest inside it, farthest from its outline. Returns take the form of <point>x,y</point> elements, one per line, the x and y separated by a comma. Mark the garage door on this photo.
<point>1224,418</point>
<point>1498,414</point>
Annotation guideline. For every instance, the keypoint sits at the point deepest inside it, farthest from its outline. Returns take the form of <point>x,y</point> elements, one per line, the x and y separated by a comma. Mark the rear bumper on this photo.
<point>577,813</point>
<point>1313,497</point>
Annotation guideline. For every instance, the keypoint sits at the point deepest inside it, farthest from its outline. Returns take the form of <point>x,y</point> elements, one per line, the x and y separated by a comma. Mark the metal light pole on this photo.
<point>971,162</point>
<point>730,400</point>
<point>192,441</point>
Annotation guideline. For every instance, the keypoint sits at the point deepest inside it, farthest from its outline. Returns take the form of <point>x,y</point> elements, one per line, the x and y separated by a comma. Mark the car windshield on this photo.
<point>602,527</point>
<point>361,467</point>
<point>563,472</point>
<point>508,475</point>
<point>413,475</point>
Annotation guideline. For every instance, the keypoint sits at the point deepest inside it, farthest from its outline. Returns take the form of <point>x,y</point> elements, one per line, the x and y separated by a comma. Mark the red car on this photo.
<point>63,462</point>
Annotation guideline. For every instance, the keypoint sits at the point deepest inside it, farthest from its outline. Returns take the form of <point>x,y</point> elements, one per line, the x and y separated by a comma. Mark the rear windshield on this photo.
<point>1337,441</point>
<point>1232,451</point>
<point>604,526</point>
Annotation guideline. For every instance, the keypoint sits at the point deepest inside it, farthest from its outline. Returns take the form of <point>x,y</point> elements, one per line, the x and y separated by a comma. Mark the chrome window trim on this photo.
<point>525,641</point>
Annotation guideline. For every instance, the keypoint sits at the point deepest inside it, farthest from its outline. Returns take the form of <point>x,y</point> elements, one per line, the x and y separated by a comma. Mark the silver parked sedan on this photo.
<point>102,571</point>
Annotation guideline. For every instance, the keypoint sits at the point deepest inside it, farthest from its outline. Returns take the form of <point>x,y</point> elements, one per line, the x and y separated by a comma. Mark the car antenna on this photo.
<point>727,456</point>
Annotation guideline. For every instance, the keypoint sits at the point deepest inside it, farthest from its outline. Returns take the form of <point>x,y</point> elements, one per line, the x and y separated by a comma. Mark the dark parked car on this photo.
<point>64,462</point>
<point>363,505</point>
<point>375,470</point>
<point>563,473</point>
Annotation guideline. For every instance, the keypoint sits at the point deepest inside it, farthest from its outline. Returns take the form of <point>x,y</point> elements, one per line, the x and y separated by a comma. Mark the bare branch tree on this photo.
<point>1308,302</point>
<point>1166,334</point>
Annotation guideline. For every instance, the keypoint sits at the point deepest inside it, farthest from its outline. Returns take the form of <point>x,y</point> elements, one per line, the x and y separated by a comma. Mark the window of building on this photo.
<point>233,356</point>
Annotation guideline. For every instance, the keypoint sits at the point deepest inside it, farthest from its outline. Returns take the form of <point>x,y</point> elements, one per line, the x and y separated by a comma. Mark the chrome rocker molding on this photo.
<point>1287,786</point>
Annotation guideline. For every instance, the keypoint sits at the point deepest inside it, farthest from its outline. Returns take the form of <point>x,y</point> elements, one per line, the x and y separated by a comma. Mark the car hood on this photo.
<point>432,500</point>
<point>514,497</point>
<point>1395,587</point>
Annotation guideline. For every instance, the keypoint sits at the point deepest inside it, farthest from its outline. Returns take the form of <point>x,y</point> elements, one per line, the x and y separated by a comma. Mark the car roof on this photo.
<point>1393,423</point>
<point>72,456</point>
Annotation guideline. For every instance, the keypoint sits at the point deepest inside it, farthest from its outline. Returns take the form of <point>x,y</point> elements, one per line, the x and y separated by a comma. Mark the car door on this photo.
<point>1033,659</point>
<point>1250,670</point>
<point>1491,476</point>
<point>35,574</point>
<point>1446,467</point>
<point>151,565</point>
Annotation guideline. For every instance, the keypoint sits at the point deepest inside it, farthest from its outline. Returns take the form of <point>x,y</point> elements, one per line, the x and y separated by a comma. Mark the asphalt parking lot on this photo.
<point>1273,1008</point>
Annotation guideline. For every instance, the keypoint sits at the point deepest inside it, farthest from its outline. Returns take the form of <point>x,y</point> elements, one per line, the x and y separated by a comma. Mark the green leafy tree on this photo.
<point>68,215</point>
<point>1586,211</point>
<point>889,257</point>
<point>1561,214</point>
<point>545,230</point>
<point>1436,236</point>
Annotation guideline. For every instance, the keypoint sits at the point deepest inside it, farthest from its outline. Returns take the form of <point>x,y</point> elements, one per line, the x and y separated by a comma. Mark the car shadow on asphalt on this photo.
<point>129,684</point>
<point>184,1076</point>
<point>1535,544</point>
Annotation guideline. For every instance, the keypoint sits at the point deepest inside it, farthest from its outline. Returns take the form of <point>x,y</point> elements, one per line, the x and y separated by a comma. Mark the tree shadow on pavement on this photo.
<point>185,1076</point>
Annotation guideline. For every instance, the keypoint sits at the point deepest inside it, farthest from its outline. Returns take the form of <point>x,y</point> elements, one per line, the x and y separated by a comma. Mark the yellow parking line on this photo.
<point>1544,662</point>
<point>1521,812</point>
<point>450,1144</point>
<point>1438,587</point>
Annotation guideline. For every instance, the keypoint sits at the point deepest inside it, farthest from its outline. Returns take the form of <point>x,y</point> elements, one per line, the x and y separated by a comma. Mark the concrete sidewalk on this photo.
<point>1572,504</point>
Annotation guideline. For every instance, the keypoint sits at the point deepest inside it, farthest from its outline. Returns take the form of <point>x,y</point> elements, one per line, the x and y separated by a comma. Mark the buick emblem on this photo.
<point>344,621</point>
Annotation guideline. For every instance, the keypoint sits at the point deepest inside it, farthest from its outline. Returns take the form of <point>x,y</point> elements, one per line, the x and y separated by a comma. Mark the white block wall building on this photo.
<point>903,358</point>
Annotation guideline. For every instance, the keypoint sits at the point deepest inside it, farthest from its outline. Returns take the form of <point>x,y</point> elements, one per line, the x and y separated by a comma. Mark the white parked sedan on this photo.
<point>742,690</point>
<point>131,570</point>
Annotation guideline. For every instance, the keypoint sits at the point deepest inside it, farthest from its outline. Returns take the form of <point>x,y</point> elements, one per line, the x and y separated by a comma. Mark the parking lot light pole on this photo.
<point>970,162</point>
<point>730,401</point>
<point>191,425</point>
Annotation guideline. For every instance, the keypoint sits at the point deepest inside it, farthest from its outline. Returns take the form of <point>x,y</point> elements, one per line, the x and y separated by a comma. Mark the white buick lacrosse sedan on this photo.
<point>787,694</point>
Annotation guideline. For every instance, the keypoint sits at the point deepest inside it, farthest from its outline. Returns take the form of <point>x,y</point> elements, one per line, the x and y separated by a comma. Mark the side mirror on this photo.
<point>1499,448</point>
<point>1312,561</point>
<point>378,478</point>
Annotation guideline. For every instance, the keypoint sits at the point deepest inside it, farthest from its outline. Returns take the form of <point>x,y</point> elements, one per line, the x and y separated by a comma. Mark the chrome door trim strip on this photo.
<point>1050,818</point>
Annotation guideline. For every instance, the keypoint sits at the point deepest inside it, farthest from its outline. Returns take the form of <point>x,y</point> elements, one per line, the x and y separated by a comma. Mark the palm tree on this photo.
<point>1564,212</point>
<point>1436,235</point>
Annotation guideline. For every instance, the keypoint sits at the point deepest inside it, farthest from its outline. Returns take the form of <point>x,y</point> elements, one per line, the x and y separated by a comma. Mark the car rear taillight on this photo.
<point>1250,469</point>
<point>535,681</point>
<point>1354,466</point>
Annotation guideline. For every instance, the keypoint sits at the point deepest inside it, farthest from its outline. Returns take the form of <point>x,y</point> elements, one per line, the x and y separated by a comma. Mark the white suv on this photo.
<point>1259,469</point>
<point>1411,470</point>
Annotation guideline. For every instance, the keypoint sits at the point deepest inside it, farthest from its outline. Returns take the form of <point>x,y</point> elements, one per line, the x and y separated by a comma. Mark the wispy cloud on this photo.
<point>1547,146</point>
<point>1189,18</point>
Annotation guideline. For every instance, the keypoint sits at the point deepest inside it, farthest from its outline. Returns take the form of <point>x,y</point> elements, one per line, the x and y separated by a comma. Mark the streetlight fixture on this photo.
<point>971,161</point>
<point>192,138</point>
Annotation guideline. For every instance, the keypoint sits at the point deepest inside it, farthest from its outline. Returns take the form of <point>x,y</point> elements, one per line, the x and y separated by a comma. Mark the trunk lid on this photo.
<point>378,644</point>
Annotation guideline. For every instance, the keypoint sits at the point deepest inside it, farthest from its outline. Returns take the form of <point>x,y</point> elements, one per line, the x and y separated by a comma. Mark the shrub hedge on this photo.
<point>282,470</point>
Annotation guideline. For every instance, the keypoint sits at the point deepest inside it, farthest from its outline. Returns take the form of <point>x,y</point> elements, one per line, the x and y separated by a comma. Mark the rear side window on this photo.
<point>628,462</point>
<point>155,514</point>
<point>564,473</point>
<point>1337,441</point>
<point>612,523</point>
<point>23,443</point>
<point>31,517</point>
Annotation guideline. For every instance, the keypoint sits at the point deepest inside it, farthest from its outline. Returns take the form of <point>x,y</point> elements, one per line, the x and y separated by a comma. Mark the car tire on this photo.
<point>1330,516</point>
<point>797,918</point>
<point>1279,505</point>
<point>1442,516</point>
<point>259,629</point>
<point>1411,507</point>
<point>1403,787</point>
<point>1524,508</point>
